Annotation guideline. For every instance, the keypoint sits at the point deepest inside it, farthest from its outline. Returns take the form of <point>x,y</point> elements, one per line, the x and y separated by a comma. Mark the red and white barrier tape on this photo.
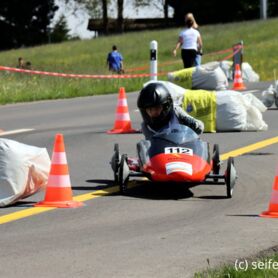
<point>70,75</point>
<point>179,61</point>
<point>232,54</point>
<point>114,76</point>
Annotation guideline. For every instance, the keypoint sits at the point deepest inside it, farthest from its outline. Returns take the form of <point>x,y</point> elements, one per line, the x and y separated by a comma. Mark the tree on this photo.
<point>25,23</point>
<point>120,5</point>
<point>95,8</point>
<point>99,9</point>
<point>105,15</point>
<point>217,11</point>
<point>60,31</point>
<point>162,5</point>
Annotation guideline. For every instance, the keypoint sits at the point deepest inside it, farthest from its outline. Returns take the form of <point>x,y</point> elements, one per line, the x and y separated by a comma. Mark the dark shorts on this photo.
<point>188,57</point>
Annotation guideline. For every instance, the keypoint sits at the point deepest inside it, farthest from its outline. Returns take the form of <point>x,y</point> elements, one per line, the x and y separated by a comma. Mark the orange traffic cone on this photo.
<point>122,122</point>
<point>273,204</point>
<point>238,82</point>
<point>58,191</point>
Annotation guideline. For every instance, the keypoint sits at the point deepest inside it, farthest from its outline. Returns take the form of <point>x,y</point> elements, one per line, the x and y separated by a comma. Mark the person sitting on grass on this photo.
<point>24,65</point>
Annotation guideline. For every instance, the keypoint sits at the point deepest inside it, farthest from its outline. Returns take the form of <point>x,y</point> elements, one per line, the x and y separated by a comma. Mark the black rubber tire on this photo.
<point>276,101</point>
<point>122,183</point>
<point>117,163</point>
<point>216,161</point>
<point>228,177</point>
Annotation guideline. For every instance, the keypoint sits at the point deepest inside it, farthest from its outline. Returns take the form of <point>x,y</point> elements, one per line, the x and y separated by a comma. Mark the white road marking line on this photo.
<point>251,91</point>
<point>16,131</point>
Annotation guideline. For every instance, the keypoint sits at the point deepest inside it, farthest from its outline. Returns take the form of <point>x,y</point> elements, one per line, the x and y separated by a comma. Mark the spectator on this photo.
<point>199,54</point>
<point>24,65</point>
<point>189,41</point>
<point>115,61</point>
<point>21,63</point>
<point>28,65</point>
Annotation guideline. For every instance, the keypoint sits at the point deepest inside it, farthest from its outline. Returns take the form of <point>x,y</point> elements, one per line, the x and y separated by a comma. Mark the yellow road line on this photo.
<point>250,148</point>
<point>89,196</point>
<point>36,210</point>
<point>96,194</point>
<point>22,214</point>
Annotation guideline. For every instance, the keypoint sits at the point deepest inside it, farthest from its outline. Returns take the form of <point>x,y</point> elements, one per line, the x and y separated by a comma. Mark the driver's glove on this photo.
<point>199,127</point>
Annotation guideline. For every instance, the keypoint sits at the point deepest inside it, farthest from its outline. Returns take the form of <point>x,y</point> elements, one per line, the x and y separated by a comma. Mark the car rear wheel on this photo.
<point>116,163</point>
<point>276,101</point>
<point>230,177</point>
<point>216,161</point>
<point>123,174</point>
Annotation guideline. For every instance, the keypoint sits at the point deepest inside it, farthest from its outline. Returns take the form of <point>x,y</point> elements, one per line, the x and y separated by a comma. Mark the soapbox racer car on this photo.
<point>176,155</point>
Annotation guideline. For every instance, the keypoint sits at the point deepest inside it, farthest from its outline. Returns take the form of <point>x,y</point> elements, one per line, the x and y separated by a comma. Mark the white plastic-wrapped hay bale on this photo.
<point>236,111</point>
<point>24,170</point>
<point>248,73</point>
<point>207,77</point>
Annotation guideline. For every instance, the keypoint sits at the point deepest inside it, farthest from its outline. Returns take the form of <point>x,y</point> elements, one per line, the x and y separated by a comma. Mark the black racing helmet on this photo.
<point>155,94</point>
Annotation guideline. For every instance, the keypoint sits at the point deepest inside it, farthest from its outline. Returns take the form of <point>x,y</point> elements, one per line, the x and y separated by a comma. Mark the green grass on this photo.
<point>264,267</point>
<point>89,57</point>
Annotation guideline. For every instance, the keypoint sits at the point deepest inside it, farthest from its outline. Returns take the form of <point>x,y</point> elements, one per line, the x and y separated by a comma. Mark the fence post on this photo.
<point>153,60</point>
<point>238,55</point>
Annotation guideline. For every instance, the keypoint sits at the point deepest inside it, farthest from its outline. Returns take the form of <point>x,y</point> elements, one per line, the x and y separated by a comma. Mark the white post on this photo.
<point>263,9</point>
<point>153,60</point>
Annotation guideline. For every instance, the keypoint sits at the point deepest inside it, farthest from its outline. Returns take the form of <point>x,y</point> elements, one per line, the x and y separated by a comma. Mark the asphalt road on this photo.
<point>153,231</point>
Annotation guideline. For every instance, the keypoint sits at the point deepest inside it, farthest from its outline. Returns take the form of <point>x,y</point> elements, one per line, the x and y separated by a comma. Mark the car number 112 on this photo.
<point>181,150</point>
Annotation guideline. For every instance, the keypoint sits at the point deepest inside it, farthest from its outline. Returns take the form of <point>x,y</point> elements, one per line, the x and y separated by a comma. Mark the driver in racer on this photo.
<point>159,113</point>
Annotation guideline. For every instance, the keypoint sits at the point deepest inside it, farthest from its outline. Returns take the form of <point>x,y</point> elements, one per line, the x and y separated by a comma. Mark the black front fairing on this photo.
<point>180,136</point>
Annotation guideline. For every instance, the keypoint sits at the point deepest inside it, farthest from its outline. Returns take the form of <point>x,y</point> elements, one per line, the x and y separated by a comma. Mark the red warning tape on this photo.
<point>238,48</point>
<point>179,61</point>
<point>70,75</point>
<point>115,76</point>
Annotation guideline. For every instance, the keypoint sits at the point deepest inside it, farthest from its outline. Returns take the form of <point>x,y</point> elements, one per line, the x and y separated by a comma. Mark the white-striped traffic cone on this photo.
<point>273,203</point>
<point>58,191</point>
<point>122,120</point>
<point>238,82</point>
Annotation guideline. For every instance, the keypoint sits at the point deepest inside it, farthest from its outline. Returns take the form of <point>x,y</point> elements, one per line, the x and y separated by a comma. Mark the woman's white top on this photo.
<point>189,37</point>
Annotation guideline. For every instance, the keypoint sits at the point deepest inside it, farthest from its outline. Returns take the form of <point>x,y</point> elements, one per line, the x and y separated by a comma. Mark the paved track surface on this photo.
<point>154,231</point>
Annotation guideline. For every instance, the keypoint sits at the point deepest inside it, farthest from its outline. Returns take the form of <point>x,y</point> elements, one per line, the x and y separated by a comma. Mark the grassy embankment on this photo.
<point>89,57</point>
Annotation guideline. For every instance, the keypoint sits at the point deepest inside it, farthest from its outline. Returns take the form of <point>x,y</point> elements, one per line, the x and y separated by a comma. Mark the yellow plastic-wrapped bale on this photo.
<point>201,104</point>
<point>207,77</point>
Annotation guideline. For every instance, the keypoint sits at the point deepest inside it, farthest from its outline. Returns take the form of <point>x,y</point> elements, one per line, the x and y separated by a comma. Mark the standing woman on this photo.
<point>198,59</point>
<point>189,41</point>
